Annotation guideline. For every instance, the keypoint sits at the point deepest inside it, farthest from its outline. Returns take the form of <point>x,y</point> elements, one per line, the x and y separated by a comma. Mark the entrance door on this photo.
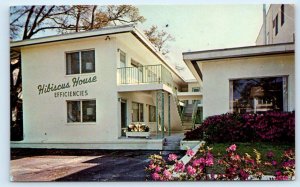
<point>123,117</point>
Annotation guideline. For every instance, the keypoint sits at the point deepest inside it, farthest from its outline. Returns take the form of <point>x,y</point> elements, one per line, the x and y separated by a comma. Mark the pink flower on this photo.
<point>199,161</point>
<point>172,157</point>
<point>209,162</point>
<point>244,175</point>
<point>191,170</point>
<point>167,174</point>
<point>157,169</point>
<point>274,163</point>
<point>236,157</point>
<point>179,166</point>
<point>152,166</point>
<point>231,148</point>
<point>190,152</point>
<point>155,176</point>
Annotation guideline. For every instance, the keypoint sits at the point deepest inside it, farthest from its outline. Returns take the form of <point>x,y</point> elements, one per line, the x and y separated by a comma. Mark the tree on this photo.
<point>27,21</point>
<point>159,38</point>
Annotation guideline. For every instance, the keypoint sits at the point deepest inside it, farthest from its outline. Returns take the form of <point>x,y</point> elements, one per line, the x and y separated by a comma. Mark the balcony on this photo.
<point>145,75</point>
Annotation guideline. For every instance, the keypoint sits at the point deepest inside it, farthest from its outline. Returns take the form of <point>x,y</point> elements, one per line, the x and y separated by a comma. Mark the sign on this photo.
<point>56,88</point>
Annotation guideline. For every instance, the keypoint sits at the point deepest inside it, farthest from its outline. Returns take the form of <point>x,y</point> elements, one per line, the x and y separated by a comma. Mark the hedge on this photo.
<point>233,127</point>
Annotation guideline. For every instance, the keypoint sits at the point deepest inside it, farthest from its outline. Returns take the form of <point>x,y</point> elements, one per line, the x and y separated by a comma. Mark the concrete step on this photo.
<point>171,148</point>
<point>187,129</point>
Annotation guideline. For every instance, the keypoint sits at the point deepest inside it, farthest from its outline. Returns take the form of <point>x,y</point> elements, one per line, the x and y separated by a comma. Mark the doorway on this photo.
<point>123,117</point>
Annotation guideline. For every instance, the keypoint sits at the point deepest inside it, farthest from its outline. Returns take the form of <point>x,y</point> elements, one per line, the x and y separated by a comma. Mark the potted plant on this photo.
<point>138,130</point>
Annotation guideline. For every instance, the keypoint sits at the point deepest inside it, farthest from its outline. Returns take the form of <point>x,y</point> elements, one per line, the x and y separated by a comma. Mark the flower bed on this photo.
<point>234,165</point>
<point>232,127</point>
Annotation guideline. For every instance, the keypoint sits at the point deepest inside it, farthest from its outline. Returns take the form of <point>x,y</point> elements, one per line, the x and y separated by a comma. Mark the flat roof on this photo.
<point>191,58</point>
<point>239,52</point>
<point>130,28</point>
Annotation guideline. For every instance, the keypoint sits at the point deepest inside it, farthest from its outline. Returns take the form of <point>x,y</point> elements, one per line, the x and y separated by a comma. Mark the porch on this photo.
<point>156,109</point>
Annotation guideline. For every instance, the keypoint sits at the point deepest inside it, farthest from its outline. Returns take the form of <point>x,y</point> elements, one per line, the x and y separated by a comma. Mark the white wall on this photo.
<point>45,117</point>
<point>216,76</point>
<point>285,31</point>
<point>192,85</point>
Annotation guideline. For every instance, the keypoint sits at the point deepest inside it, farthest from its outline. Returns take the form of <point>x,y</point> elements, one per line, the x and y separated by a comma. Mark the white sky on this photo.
<point>204,27</point>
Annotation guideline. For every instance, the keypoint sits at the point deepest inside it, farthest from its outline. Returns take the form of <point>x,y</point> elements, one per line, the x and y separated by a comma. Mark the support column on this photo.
<point>162,114</point>
<point>169,114</point>
<point>157,117</point>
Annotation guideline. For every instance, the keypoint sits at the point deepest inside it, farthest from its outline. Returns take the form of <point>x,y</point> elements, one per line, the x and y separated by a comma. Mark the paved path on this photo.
<point>79,165</point>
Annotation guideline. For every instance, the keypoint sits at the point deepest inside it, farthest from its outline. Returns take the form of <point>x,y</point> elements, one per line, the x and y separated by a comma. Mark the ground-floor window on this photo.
<point>258,94</point>
<point>152,113</point>
<point>137,112</point>
<point>81,111</point>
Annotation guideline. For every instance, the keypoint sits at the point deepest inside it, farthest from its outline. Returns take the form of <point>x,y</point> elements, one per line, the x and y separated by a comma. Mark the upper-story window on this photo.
<point>275,24</point>
<point>196,89</point>
<point>122,59</point>
<point>282,14</point>
<point>80,62</point>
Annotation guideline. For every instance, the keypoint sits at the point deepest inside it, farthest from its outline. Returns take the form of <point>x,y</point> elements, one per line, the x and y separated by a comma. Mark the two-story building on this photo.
<point>83,90</point>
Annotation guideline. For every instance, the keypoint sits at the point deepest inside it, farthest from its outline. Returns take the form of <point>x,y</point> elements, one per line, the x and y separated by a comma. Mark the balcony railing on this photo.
<point>151,74</point>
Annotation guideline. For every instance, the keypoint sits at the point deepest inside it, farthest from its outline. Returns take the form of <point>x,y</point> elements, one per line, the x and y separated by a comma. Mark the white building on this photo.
<point>245,79</point>
<point>278,25</point>
<point>83,90</point>
<point>252,78</point>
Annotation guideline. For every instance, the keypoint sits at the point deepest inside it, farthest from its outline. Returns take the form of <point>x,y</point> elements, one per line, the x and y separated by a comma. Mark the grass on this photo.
<point>278,149</point>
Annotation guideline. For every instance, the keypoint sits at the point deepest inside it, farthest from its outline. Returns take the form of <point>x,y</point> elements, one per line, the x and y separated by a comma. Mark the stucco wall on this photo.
<point>192,85</point>
<point>216,76</point>
<point>45,117</point>
<point>285,31</point>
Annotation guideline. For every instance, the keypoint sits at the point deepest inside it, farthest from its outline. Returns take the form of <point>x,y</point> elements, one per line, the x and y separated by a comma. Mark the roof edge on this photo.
<point>239,52</point>
<point>76,35</point>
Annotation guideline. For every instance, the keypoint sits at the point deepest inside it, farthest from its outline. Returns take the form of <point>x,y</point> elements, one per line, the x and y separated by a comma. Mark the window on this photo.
<point>196,89</point>
<point>81,111</point>
<point>137,112</point>
<point>275,24</point>
<point>122,59</point>
<point>258,94</point>
<point>282,14</point>
<point>152,113</point>
<point>80,62</point>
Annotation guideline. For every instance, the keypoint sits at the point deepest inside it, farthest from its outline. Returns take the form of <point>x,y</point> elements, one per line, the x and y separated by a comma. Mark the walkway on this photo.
<point>80,165</point>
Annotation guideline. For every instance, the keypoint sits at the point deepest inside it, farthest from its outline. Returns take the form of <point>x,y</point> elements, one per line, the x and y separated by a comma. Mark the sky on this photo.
<point>204,27</point>
<point>201,27</point>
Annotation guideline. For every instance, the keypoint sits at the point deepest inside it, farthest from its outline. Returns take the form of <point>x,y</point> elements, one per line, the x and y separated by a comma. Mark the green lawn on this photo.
<point>242,148</point>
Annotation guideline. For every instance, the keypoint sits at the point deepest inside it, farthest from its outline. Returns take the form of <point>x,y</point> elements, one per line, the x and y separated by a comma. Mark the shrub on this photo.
<point>249,127</point>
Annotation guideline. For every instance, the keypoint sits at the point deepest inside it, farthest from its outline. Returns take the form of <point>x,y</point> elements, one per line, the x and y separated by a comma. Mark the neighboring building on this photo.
<point>245,79</point>
<point>252,78</point>
<point>278,25</point>
<point>83,90</point>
